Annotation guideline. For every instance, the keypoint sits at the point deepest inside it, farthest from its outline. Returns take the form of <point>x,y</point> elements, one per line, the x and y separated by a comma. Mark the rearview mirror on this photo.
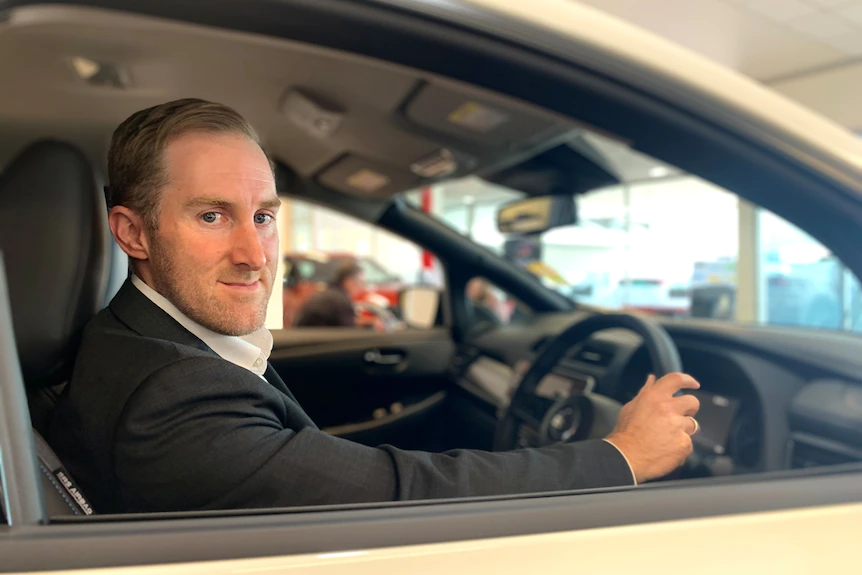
<point>420,306</point>
<point>537,214</point>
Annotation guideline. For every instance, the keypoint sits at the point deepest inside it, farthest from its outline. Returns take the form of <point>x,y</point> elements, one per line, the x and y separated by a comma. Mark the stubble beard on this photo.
<point>199,305</point>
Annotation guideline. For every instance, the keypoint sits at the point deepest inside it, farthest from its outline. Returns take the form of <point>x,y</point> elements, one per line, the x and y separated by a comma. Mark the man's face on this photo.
<point>214,252</point>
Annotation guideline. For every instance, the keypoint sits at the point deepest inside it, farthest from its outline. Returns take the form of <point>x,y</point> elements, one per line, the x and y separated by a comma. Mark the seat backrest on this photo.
<point>56,247</point>
<point>53,235</point>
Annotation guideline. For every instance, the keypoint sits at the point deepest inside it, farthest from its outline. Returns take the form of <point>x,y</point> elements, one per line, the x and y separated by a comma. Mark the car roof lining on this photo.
<point>167,60</point>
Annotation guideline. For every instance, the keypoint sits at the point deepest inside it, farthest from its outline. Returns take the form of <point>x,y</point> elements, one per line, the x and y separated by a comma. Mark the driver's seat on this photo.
<point>57,250</point>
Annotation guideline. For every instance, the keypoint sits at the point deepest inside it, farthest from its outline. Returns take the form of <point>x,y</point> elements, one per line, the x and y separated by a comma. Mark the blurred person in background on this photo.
<point>488,307</point>
<point>290,305</point>
<point>333,307</point>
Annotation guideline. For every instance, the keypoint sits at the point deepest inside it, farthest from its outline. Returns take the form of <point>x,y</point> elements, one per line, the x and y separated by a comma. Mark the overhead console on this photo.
<point>474,119</point>
<point>465,132</point>
<point>355,175</point>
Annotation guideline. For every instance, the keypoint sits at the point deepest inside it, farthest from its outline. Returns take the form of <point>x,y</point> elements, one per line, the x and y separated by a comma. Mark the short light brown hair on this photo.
<point>136,170</point>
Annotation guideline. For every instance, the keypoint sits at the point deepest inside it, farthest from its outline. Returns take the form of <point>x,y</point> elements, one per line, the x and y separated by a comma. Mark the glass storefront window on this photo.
<point>803,284</point>
<point>664,245</point>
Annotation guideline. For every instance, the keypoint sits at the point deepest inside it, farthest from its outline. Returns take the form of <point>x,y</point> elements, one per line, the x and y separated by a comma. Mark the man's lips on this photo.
<point>243,285</point>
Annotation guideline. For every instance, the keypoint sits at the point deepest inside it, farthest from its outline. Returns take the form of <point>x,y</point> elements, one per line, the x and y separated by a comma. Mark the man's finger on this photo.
<point>650,381</point>
<point>675,381</point>
<point>686,405</point>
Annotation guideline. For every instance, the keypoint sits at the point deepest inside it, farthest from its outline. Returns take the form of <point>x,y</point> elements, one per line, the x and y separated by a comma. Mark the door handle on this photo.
<point>376,357</point>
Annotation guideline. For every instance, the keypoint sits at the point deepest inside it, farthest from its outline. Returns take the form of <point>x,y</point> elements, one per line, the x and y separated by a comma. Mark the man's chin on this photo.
<point>235,320</point>
<point>236,329</point>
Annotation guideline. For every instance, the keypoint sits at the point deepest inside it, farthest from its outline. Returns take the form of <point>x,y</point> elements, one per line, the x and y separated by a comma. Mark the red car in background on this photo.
<point>310,272</point>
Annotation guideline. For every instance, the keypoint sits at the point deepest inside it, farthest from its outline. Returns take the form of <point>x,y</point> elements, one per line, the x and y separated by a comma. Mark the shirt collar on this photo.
<point>249,351</point>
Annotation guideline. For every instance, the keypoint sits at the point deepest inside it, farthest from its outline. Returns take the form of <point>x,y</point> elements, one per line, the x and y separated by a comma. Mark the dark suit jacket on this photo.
<point>329,308</point>
<point>153,420</point>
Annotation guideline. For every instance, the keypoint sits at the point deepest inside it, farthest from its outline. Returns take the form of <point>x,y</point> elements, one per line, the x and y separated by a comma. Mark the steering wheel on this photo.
<point>578,416</point>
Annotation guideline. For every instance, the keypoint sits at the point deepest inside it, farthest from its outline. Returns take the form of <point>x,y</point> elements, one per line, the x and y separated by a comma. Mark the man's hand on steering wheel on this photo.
<point>654,429</point>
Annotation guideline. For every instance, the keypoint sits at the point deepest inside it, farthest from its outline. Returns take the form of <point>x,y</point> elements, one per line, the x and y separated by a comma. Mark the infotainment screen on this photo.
<point>555,385</point>
<point>715,417</point>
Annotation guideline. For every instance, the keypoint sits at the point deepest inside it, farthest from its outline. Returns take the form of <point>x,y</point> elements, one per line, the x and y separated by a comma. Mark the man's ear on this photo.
<point>130,233</point>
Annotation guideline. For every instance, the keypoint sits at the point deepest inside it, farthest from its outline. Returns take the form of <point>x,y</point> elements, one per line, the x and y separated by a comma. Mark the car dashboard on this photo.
<point>771,399</point>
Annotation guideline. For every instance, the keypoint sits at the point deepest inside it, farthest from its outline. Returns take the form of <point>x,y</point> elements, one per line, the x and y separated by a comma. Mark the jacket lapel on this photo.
<point>275,380</point>
<point>149,320</point>
<point>298,414</point>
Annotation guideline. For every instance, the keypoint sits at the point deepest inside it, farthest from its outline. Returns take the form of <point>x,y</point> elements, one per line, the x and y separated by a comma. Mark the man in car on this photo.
<point>173,405</point>
<point>333,307</point>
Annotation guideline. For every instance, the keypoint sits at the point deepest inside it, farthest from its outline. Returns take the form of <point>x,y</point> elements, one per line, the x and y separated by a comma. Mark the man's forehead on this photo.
<point>251,175</point>
<point>225,187</point>
<point>216,160</point>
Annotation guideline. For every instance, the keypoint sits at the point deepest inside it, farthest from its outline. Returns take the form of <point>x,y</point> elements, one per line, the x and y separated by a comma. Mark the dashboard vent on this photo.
<point>594,353</point>
<point>811,451</point>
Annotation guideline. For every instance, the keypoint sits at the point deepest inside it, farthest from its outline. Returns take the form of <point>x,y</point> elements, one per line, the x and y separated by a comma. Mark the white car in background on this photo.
<point>650,295</point>
<point>653,296</point>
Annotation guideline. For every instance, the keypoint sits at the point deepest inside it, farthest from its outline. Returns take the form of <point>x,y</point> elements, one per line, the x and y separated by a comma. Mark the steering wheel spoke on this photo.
<point>525,417</point>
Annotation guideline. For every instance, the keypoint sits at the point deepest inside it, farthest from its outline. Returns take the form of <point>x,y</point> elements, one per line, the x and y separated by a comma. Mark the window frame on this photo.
<point>19,481</point>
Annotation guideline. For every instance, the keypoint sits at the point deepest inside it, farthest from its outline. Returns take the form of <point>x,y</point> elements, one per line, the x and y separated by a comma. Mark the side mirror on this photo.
<point>420,306</point>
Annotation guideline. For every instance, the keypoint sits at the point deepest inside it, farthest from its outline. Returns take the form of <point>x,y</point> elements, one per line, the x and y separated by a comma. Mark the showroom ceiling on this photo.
<point>810,50</point>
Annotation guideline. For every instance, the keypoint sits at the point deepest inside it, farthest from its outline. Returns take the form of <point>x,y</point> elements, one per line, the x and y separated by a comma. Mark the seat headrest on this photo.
<point>53,238</point>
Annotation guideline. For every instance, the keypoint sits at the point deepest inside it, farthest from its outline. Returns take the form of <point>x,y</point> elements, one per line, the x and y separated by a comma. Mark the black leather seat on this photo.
<point>57,251</point>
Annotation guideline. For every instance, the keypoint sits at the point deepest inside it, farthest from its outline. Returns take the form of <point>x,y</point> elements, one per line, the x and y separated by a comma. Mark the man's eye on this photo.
<point>262,219</point>
<point>210,217</point>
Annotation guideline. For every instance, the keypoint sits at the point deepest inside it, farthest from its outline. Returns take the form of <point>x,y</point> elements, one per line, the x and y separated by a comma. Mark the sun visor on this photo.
<point>365,178</point>
<point>477,119</point>
<point>560,170</point>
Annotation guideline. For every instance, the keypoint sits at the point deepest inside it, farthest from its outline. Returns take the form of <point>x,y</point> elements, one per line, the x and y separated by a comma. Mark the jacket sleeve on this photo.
<point>200,434</point>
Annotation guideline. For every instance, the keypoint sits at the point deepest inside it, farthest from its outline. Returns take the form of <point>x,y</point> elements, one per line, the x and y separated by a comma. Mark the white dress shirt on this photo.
<point>249,351</point>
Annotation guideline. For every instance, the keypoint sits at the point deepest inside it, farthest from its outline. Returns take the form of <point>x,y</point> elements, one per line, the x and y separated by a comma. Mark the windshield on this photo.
<point>618,252</point>
<point>662,242</point>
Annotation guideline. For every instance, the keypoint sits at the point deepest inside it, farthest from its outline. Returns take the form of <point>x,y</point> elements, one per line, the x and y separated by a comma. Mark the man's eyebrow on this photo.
<point>271,203</point>
<point>215,202</point>
<point>209,201</point>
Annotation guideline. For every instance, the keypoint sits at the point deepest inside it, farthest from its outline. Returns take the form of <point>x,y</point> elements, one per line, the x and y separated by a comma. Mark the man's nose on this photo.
<point>247,247</point>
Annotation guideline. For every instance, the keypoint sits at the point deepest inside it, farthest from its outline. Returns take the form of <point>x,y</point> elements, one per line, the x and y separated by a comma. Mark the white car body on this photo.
<point>819,540</point>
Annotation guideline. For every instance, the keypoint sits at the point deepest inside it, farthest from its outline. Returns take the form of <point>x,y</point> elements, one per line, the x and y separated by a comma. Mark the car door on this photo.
<point>367,387</point>
<point>383,382</point>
